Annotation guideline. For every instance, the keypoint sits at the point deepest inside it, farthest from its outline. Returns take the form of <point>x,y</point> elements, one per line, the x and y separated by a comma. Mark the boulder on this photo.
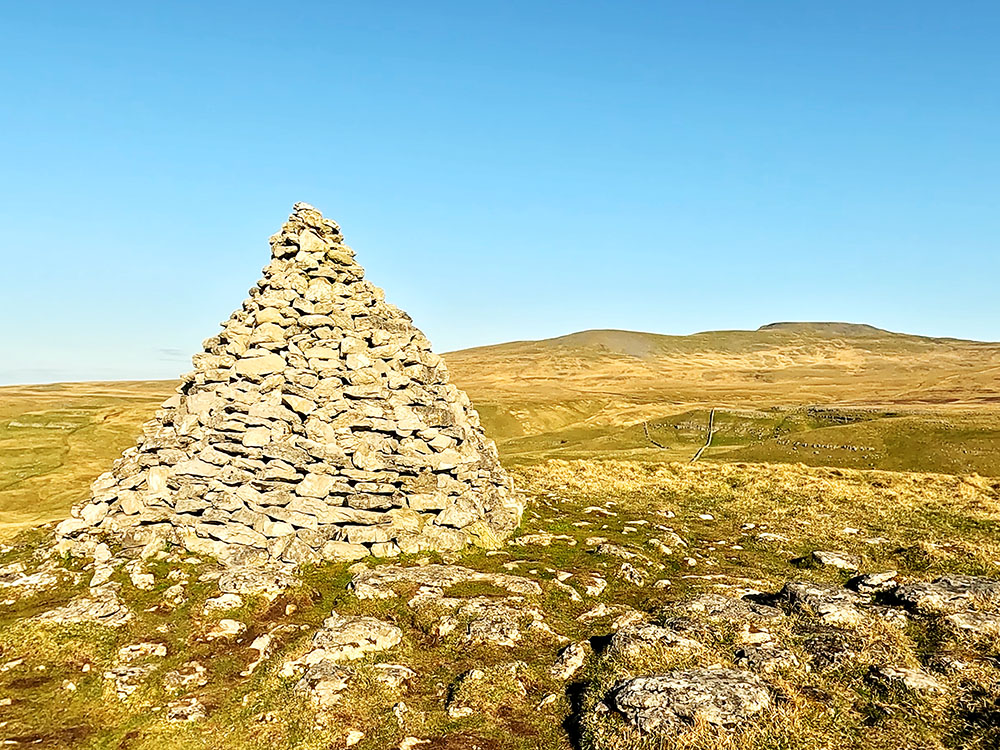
<point>664,702</point>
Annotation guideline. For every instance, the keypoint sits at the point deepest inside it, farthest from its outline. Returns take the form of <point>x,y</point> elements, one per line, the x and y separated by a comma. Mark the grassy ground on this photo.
<point>55,439</point>
<point>923,525</point>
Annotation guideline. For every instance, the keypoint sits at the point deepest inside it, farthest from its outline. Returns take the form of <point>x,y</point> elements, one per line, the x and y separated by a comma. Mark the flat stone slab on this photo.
<point>977,624</point>
<point>267,580</point>
<point>949,594</point>
<point>101,606</point>
<point>644,638</point>
<point>661,703</point>
<point>15,580</point>
<point>731,609</point>
<point>834,559</point>
<point>831,605</point>
<point>377,583</point>
<point>500,622</point>
<point>347,638</point>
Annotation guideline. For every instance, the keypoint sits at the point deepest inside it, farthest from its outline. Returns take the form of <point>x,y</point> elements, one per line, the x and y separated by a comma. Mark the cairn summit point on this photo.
<point>316,425</point>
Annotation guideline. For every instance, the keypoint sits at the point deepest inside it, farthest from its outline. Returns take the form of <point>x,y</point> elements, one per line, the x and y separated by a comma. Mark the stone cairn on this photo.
<point>318,425</point>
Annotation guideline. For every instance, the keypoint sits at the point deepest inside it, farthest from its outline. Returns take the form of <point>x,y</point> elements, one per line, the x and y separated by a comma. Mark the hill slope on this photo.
<point>609,390</point>
<point>783,363</point>
<point>818,393</point>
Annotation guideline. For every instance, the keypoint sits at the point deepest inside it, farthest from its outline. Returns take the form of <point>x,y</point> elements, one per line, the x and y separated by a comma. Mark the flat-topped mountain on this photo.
<point>832,328</point>
<point>782,363</point>
<point>842,394</point>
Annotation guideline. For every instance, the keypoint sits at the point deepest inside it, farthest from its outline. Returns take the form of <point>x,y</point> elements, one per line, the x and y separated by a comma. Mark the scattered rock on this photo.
<point>323,682</point>
<point>225,628</point>
<point>616,550</point>
<point>378,583</point>
<point>905,679</point>
<point>262,645</point>
<point>548,700</point>
<point>874,583</point>
<point>766,658</point>
<point>186,709</point>
<point>347,638</point>
<point>392,676</point>
<point>949,594</point>
<point>222,603</point>
<point>483,691</point>
<point>643,638</point>
<point>570,661</point>
<point>256,580</point>
<point>829,647</point>
<point>191,674</point>
<point>731,609</point>
<point>976,624</point>
<point>127,679</point>
<point>101,606</point>
<point>541,539</point>
<point>140,579</point>
<point>830,604</point>
<point>839,560</point>
<point>593,584</point>
<point>628,572</point>
<point>624,615</point>
<point>135,651</point>
<point>720,697</point>
<point>408,743</point>
<point>13,577</point>
<point>500,622</point>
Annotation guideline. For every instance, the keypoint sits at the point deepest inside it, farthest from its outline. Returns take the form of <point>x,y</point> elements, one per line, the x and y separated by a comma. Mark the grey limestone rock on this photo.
<point>831,605</point>
<point>570,660</point>
<point>101,606</point>
<point>731,609</point>
<point>317,406</point>
<point>640,638</point>
<point>661,703</point>
<point>949,594</point>
<point>380,582</point>
<point>906,679</point>
<point>840,560</point>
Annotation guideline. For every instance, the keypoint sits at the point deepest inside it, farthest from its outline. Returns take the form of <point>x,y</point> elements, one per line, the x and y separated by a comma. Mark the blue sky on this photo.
<point>505,170</point>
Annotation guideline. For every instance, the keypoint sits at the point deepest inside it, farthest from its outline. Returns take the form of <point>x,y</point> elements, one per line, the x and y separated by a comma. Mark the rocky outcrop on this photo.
<point>102,606</point>
<point>316,425</point>
<point>381,582</point>
<point>721,697</point>
<point>949,594</point>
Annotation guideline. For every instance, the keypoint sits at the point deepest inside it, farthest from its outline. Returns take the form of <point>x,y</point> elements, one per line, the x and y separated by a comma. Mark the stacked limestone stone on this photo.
<point>317,425</point>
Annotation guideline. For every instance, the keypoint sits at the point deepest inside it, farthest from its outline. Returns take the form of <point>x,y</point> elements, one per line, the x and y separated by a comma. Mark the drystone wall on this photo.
<point>317,425</point>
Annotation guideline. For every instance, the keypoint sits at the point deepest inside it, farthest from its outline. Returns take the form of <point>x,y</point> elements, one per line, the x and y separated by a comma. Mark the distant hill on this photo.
<point>782,363</point>
<point>856,395</point>
<point>829,329</point>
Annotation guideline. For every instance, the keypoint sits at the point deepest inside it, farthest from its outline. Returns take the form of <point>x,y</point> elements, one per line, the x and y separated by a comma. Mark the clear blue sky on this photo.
<point>505,170</point>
